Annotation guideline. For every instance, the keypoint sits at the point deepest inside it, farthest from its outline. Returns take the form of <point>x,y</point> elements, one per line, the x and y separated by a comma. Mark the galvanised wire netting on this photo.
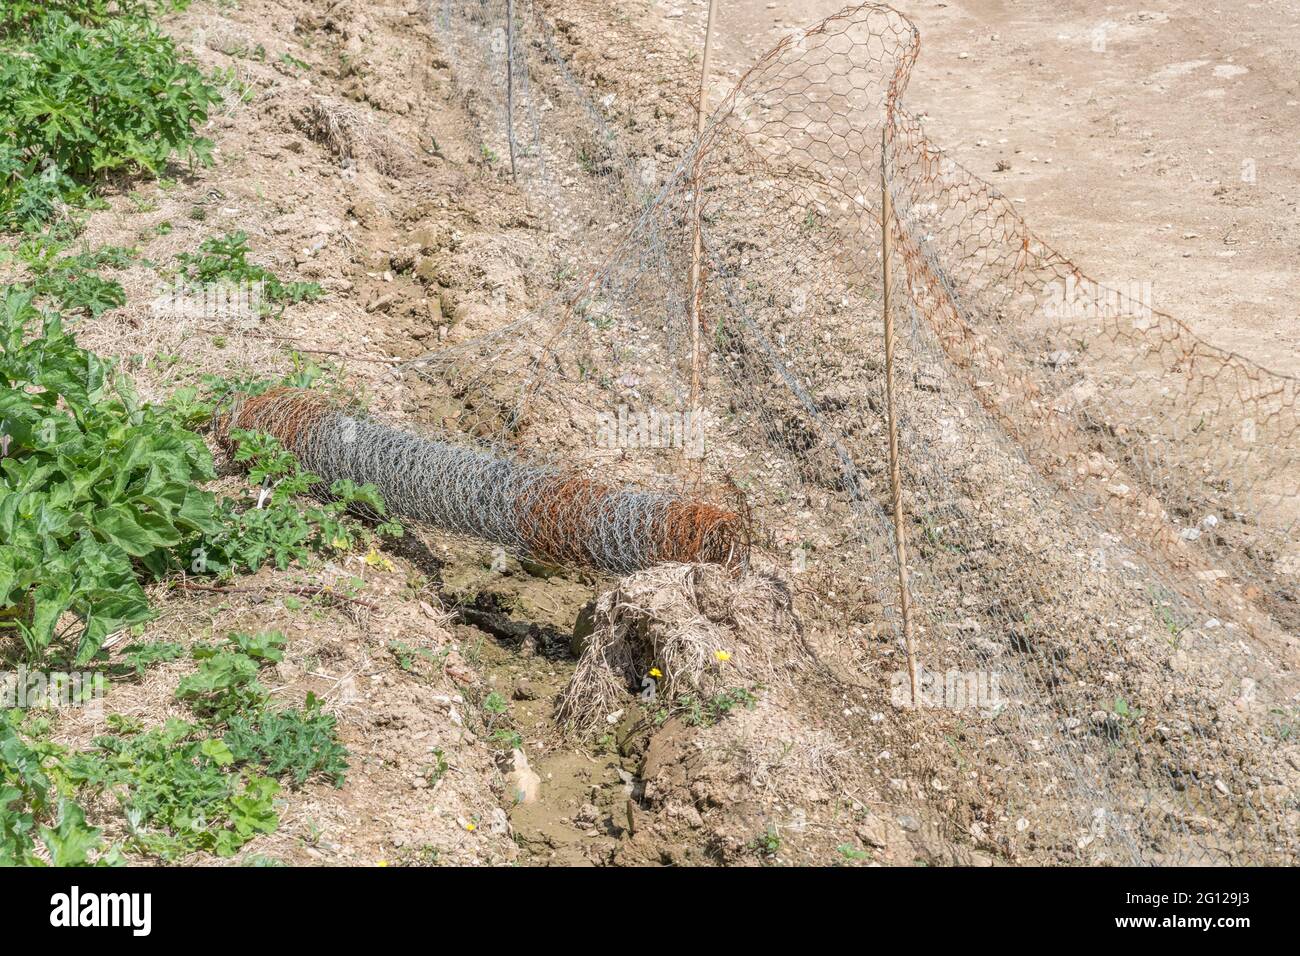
<point>1099,507</point>
<point>544,513</point>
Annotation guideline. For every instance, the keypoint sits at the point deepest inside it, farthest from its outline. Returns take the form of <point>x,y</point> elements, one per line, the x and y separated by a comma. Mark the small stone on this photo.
<point>523,785</point>
<point>872,831</point>
<point>540,569</point>
<point>381,303</point>
<point>524,690</point>
<point>586,817</point>
<point>1249,687</point>
<point>929,378</point>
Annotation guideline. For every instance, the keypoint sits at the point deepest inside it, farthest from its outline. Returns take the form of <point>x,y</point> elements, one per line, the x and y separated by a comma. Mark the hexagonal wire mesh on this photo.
<point>1100,507</point>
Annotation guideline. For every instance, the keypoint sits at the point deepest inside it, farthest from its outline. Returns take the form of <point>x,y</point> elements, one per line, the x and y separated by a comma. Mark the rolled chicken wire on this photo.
<point>545,513</point>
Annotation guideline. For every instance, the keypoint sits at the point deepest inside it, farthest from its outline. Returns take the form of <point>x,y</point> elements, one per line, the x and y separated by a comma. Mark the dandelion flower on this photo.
<point>656,672</point>
<point>382,863</point>
<point>722,656</point>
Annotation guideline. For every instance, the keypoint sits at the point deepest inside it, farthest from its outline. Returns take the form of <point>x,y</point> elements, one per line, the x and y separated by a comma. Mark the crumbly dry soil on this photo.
<point>346,153</point>
<point>364,171</point>
<point>1150,142</point>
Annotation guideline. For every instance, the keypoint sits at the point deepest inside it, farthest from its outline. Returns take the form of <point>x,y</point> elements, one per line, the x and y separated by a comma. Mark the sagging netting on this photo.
<point>1101,507</point>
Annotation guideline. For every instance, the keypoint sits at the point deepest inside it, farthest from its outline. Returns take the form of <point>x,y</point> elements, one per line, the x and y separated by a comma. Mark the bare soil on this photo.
<point>367,171</point>
<point>1152,143</point>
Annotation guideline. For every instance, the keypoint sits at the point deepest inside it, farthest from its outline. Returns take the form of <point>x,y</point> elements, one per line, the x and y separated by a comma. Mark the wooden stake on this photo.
<point>510,82</point>
<point>697,286</point>
<point>895,475</point>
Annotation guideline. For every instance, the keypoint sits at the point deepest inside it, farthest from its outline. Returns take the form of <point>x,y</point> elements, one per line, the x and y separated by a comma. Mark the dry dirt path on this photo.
<point>1148,142</point>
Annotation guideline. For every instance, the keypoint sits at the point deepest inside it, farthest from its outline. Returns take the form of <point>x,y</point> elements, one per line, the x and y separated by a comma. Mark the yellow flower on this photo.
<point>656,672</point>
<point>471,827</point>
<point>722,656</point>
<point>382,863</point>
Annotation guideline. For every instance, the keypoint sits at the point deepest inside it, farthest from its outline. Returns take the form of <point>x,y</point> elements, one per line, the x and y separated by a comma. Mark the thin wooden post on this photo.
<point>697,286</point>
<point>510,82</point>
<point>895,474</point>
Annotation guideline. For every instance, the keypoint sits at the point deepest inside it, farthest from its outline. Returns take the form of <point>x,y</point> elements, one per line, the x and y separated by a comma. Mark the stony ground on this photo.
<point>351,156</point>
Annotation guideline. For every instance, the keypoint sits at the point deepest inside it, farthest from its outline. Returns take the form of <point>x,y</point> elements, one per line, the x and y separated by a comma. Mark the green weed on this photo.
<point>88,95</point>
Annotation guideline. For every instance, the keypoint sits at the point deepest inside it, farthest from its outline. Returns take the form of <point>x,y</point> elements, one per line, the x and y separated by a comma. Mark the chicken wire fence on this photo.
<point>1099,507</point>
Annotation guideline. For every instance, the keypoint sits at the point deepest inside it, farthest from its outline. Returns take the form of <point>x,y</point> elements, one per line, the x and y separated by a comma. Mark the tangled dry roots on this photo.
<point>541,512</point>
<point>706,631</point>
<point>348,133</point>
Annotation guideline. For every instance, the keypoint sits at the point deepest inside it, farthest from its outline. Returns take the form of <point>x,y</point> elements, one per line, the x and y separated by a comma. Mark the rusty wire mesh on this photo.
<point>538,512</point>
<point>1100,506</point>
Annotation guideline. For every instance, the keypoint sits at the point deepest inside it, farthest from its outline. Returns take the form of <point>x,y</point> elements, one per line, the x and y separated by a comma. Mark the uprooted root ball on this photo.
<point>702,629</point>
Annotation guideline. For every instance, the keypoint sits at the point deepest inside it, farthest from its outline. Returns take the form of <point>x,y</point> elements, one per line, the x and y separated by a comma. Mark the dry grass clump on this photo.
<point>351,135</point>
<point>704,629</point>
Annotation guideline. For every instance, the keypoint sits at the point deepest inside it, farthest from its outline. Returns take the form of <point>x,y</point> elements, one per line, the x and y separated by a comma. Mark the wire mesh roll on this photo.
<point>545,513</point>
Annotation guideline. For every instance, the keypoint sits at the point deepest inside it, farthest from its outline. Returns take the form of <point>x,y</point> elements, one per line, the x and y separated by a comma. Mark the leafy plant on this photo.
<point>16,15</point>
<point>72,841</point>
<point>175,787</point>
<point>767,843</point>
<point>851,853</point>
<point>208,785</point>
<point>138,657</point>
<point>224,260</point>
<point>25,793</point>
<point>94,486</point>
<point>183,786</point>
<point>32,195</point>
<point>298,743</point>
<point>1124,710</point>
<point>724,702</point>
<point>73,282</point>
<point>87,95</point>
<point>507,739</point>
<point>31,776</point>
<point>277,531</point>
<point>699,713</point>
<point>226,680</point>
<point>439,768</point>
